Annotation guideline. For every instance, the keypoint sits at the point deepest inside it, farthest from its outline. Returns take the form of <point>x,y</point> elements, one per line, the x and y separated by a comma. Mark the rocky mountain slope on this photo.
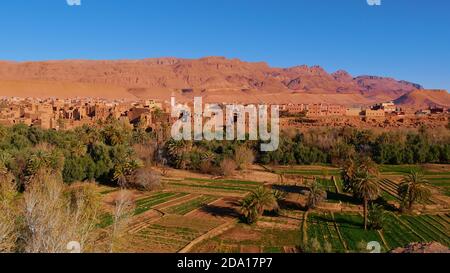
<point>215,78</point>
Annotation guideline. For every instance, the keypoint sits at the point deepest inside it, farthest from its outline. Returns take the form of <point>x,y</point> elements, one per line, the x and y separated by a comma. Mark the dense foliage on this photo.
<point>321,146</point>
<point>337,145</point>
<point>102,152</point>
<point>113,151</point>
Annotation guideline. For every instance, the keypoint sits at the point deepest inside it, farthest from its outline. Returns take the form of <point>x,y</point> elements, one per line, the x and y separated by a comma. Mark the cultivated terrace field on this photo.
<point>201,213</point>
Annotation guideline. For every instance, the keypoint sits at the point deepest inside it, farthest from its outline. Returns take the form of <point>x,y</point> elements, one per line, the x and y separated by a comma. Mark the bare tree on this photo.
<point>55,215</point>
<point>243,157</point>
<point>123,212</point>
<point>85,207</point>
<point>145,152</point>
<point>227,167</point>
<point>8,214</point>
<point>146,179</point>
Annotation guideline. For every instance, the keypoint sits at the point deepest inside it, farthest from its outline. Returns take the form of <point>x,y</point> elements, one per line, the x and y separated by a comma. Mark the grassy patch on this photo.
<point>322,228</point>
<point>273,249</point>
<point>108,191</point>
<point>226,181</point>
<point>106,219</point>
<point>428,229</point>
<point>310,172</point>
<point>191,205</point>
<point>353,233</point>
<point>396,233</point>
<point>217,187</point>
<point>403,169</point>
<point>144,204</point>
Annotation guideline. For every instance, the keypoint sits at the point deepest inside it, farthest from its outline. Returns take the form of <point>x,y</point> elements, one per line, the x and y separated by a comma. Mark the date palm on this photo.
<point>315,195</point>
<point>259,200</point>
<point>177,153</point>
<point>88,134</point>
<point>413,188</point>
<point>365,186</point>
<point>351,167</point>
<point>360,178</point>
<point>348,171</point>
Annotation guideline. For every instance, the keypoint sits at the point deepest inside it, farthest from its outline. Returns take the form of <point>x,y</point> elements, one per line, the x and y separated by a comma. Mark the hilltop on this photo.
<point>425,98</point>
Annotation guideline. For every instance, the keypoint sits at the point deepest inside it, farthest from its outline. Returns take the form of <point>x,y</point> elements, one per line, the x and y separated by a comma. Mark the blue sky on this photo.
<point>405,39</point>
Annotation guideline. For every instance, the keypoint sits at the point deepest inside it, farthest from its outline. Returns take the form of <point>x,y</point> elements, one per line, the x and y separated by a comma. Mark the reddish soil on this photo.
<point>241,234</point>
<point>250,249</point>
<point>216,79</point>
<point>226,209</point>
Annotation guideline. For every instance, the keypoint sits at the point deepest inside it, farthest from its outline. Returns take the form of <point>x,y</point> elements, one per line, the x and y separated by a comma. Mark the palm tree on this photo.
<point>360,177</point>
<point>140,136</point>
<point>366,164</point>
<point>249,210</point>
<point>315,195</point>
<point>376,217</point>
<point>259,200</point>
<point>116,133</point>
<point>348,171</point>
<point>88,134</point>
<point>177,153</point>
<point>365,186</point>
<point>123,170</point>
<point>413,188</point>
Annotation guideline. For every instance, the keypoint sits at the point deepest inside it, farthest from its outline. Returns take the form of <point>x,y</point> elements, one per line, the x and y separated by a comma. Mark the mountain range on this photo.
<point>216,79</point>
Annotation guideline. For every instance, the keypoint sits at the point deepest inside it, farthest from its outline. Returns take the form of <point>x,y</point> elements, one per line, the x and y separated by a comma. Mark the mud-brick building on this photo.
<point>325,110</point>
<point>369,113</point>
<point>293,108</point>
<point>140,115</point>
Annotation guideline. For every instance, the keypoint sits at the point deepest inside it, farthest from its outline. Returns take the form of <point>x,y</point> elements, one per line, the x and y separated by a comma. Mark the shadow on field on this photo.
<point>386,206</point>
<point>291,205</point>
<point>290,188</point>
<point>220,211</point>
<point>333,196</point>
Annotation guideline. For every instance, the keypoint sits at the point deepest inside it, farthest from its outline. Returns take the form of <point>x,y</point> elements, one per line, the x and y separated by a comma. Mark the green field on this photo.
<point>325,172</point>
<point>326,231</point>
<point>146,203</point>
<point>322,228</point>
<point>216,185</point>
<point>353,233</point>
<point>191,205</point>
<point>398,231</point>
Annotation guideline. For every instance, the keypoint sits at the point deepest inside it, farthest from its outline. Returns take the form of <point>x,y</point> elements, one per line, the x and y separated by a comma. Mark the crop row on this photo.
<point>216,187</point>
<point>322,228</point>
<point>328,185</point>
<point>310,172</point>
<point>144,204</point>
<point>225,181</point>
<point>353,233</point>
<point>401,230</point>
<point>191,205</point>
<point>390,188</point>
<point>167,237</point>
<point>429,229</point>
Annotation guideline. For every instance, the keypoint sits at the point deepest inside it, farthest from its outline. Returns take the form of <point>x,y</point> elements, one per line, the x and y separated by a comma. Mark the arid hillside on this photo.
<point>215,78</point>
<point>424,98</point>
